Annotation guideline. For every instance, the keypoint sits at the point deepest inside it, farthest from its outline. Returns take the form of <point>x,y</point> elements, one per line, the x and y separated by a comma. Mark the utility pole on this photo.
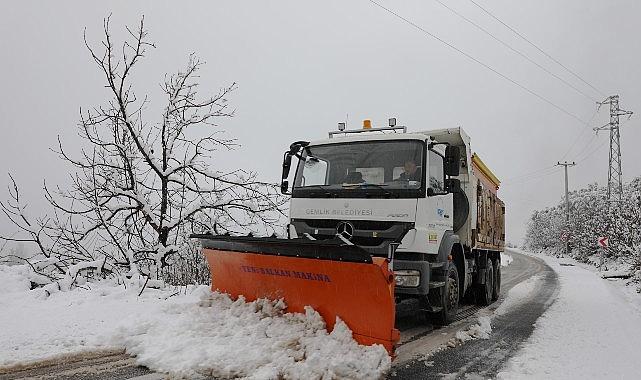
<point>567,205</point>
<point>615,182</point>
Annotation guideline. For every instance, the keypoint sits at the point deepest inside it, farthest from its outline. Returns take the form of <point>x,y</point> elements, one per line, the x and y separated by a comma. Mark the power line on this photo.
<point>479,62</point>
<point>529,174</point>
<point>536,173</point>
<point>586,148</point>
<point>479,27</point>
<point>539,174</point>
<point>585,129</point>
<point>532,178</point>
<point>538,48</point>
<point>591,153</point>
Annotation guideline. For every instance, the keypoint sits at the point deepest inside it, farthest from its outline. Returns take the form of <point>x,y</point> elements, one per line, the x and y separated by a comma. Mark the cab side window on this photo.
<point>436,174</point>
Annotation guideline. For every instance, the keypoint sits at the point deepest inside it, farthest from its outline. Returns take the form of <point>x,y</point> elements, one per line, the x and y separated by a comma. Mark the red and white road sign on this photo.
<point>564,236</point>
<point>603,242</point>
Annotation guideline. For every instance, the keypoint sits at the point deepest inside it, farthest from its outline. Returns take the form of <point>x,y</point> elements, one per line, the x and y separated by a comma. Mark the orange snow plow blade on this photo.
<point>337,280</point>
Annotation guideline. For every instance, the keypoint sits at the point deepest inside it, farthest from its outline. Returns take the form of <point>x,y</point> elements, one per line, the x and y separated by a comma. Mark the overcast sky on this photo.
<point>303,66</point>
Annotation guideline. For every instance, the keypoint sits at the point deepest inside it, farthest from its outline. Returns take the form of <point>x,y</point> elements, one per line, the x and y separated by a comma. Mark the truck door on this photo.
<point>434,214</point>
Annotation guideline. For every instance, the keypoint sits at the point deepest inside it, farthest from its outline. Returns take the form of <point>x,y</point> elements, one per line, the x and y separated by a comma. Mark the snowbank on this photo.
<point>35,326</point>
<point>518,294</point>
<point>14,279</point>
<point>506,259</point>
<point>191,332</point>
<point>590,332</point>
<point>207,334</point>
<point>480,330</point>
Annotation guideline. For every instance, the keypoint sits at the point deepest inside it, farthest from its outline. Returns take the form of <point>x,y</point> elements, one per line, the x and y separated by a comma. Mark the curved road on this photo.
<point>420,355</point>
<point>425,358</point>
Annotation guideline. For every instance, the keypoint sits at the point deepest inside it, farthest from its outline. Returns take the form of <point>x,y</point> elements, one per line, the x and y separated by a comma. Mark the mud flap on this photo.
<point>336,280</point>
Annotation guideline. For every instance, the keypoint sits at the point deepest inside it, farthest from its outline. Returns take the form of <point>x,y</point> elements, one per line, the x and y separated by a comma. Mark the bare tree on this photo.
<point>140,188</point>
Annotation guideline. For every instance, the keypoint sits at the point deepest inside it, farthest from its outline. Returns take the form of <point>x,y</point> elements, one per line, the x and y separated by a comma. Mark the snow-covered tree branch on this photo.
<point>591,216</point>
<point>139,186</point>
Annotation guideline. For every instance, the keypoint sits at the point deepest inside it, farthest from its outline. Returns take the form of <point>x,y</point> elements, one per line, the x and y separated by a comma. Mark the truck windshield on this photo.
<point>367,167</point>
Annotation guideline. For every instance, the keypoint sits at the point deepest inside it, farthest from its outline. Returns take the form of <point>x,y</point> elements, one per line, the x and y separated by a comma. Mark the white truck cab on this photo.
<point>414,197</point>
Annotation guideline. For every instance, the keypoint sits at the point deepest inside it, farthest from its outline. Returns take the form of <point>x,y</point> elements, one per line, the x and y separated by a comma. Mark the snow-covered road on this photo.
<point>592,331</point>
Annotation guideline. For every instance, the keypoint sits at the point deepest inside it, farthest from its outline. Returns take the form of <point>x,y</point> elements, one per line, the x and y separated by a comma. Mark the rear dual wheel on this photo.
<point>490,291</point>
<point>485,292</point>
<point>497,280</point>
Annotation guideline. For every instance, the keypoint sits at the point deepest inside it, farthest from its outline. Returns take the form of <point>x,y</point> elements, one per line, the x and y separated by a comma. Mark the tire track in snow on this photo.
<point>91,365</point>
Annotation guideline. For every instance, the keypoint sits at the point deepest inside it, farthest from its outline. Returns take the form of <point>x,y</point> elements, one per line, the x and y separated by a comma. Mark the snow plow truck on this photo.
<point>377,216</point>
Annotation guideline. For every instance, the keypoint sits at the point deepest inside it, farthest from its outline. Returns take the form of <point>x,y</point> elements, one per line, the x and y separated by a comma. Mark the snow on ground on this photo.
<point>518,294</point>
<point>506,259</point>
<point>480,330</point>
<point>630,292</point>
<point>14,279</point>
<point>34,326</point>
<point>590,332</point>
<point>192,333</point>
<point>209,334</point>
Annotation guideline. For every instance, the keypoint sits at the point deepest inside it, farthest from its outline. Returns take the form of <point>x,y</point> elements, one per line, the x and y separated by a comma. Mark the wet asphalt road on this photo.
<point>481,358</point>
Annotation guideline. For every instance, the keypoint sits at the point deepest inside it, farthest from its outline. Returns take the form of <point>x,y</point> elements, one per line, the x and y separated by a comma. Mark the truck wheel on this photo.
<point>446,298</point>
<point>485,291</point>
<point>497,280</point>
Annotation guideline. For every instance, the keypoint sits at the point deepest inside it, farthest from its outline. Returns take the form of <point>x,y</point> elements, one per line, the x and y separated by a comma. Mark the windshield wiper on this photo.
<point>322,187</point>
<point>326,192</point>
<point>381,185</point>
<point>366,184</point>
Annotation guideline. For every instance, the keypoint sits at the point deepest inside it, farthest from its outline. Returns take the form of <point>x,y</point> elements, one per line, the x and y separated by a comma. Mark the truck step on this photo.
<point>437,284</point>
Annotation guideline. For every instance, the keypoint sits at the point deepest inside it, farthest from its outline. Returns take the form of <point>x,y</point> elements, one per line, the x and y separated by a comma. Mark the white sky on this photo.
<point>302,66</point>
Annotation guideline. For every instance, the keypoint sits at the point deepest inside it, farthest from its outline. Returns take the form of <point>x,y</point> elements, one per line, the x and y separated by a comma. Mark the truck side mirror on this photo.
<point>452,159</point>
<point>287,163</point>
<point>294,150</point>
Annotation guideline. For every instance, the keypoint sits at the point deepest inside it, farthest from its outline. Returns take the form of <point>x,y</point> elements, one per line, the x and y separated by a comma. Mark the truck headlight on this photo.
<point>407,278</point>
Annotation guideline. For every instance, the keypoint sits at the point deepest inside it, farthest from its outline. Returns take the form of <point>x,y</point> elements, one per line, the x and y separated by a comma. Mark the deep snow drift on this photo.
<point>591,331</point>
<point>190,332</point>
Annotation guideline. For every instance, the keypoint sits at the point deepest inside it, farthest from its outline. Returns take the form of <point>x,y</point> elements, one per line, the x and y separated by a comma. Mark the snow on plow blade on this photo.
<point>336,279</point>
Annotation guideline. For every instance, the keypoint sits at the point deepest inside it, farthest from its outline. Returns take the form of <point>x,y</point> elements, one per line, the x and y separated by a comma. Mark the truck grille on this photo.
<point>367,225</point>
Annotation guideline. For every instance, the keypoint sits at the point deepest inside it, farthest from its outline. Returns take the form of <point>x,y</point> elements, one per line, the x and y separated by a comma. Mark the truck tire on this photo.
<point>447,298</point>
<point>485,291</point>
<point>497,280</point>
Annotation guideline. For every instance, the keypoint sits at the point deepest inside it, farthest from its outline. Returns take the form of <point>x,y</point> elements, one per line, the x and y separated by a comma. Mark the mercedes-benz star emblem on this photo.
<point>345,229</point>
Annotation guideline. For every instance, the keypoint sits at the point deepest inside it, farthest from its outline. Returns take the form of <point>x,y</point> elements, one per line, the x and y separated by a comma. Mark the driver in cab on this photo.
<point>410,172</point>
